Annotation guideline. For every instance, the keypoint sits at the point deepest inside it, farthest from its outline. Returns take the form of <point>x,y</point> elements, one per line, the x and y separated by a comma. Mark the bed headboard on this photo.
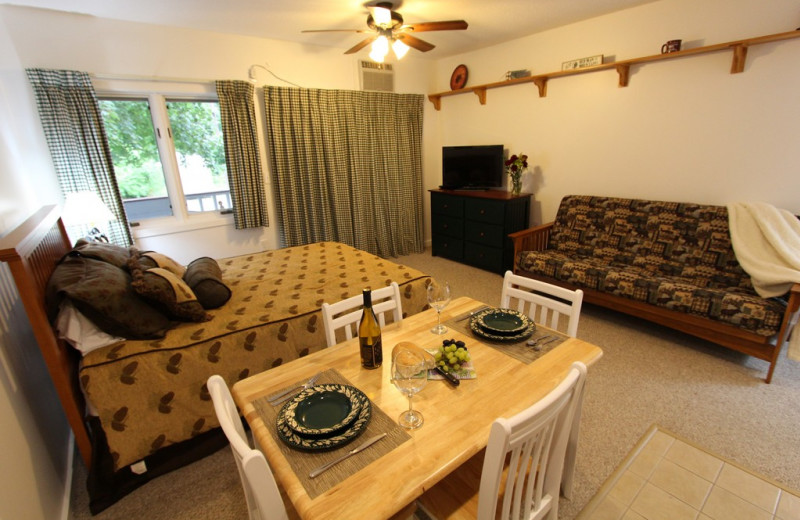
<point>32,251</point>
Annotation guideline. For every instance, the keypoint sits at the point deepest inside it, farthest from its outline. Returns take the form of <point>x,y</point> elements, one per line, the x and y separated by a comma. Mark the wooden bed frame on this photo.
<point>760,347</point>
<point>32,251</point>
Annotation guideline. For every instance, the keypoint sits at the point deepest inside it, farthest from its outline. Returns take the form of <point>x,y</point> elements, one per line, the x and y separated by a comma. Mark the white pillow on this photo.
<point>79,331</point>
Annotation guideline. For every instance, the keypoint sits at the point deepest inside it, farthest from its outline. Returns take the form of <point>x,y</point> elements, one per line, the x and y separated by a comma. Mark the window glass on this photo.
<point>137,164</point>
<point>197,135</point>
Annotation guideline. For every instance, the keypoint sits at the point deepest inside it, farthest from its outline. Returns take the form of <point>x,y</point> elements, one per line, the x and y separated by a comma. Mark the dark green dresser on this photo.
<point>472,227</point>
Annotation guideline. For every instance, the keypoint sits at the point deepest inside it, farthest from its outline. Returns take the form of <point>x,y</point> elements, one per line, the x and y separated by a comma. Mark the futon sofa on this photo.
<point>668,262</point>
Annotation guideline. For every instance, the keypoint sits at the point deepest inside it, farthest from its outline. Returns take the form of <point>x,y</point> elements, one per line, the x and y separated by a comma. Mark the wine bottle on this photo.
<point>369,335</point>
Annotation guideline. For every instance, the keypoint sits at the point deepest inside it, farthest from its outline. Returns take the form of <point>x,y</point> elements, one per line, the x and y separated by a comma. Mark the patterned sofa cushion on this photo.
<point>672,255</point>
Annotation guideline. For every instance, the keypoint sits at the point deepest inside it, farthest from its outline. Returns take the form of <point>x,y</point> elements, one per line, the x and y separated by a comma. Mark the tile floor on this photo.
<point>666,478</point>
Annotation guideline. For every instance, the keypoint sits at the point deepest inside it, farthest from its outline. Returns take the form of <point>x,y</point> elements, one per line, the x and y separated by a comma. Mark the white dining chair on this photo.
<point>520,473</point>
<point>543,302</point>
<point>345,314</point>
<point>264,501</point>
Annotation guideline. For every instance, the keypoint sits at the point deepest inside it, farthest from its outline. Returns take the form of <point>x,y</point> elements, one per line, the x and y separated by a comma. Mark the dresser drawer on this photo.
<point>490,258</point>
<point>483,210</point>
<point>490,235</point>
<point>448,247</point>
<point>447,205</point>
<point>450,226</point>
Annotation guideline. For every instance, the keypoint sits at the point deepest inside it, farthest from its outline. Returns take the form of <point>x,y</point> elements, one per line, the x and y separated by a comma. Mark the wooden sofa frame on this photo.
<point>740,340</point>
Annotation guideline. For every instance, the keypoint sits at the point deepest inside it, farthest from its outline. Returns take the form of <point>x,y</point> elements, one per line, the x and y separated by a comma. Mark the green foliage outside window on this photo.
<point>131,137</point>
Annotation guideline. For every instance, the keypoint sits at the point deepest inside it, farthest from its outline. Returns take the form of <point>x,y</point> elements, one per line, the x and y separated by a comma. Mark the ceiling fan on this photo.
<point>386,27</point>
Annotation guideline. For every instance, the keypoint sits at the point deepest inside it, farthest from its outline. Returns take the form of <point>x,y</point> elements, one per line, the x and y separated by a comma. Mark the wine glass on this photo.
<point>409,375</point>
<point>438,298</point>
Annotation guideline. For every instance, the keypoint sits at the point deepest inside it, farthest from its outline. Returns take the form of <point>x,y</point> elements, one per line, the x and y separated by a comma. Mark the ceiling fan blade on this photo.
<point>451,25</point>
<point>416,43</point>
<point>335,30</point>
<point>357,47</point>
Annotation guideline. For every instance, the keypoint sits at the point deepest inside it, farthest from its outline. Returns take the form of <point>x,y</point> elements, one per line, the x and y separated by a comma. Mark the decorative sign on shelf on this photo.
<point>589,61</point>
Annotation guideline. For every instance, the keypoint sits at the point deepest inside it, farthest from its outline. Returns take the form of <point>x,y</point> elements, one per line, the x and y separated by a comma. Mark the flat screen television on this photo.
<point>472,167</point>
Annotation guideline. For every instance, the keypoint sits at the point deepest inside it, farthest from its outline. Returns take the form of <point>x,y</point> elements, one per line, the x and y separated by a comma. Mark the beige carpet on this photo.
<point>648,374</point>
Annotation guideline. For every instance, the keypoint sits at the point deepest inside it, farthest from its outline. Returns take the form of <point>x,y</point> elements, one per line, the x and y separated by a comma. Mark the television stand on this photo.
<point>472,227</point>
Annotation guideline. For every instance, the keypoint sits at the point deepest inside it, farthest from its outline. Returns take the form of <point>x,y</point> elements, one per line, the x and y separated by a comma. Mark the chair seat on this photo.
<point>444,500</point>
<point>456,496</point>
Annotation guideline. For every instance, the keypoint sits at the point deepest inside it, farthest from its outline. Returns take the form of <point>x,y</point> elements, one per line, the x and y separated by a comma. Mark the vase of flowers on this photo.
<point>515,166</point>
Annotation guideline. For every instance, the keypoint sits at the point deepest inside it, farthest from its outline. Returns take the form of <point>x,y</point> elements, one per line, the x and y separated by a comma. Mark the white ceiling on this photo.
<point>490,22</point>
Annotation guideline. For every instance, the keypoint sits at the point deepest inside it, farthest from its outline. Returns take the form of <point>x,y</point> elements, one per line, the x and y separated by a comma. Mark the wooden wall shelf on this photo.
<point>738,48</point>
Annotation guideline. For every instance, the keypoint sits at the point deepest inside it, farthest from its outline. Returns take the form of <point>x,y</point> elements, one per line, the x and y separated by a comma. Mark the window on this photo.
<point>168,155</point>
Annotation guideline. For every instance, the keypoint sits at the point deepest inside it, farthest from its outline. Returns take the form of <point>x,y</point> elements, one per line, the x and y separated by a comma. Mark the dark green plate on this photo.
<point>331,440</point>
<point>477,326</point>
<point>322,409</point>
<point>502,322</point>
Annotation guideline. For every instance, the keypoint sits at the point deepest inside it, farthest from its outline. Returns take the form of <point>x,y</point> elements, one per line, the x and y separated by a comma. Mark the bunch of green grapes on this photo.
<point>451,355</point>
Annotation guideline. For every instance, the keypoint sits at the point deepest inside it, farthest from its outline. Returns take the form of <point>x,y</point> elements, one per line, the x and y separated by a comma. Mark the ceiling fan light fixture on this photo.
<point>382,16</point>
<point>400,49</point>
<point>380,48</point>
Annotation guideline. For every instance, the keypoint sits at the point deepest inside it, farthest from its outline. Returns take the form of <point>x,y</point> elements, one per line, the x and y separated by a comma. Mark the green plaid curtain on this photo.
<point>347,166</point>
<point>245,178</point>
<point>77,140</point>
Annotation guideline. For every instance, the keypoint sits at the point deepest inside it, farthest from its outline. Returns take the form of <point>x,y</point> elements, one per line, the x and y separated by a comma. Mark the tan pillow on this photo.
<point>164,262</point>
<point>170,292</point>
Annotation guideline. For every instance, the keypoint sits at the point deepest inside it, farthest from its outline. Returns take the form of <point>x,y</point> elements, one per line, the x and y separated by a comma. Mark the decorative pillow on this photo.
<point>153,259</point>
<point>111,253</point>
<point>103,293</point>
<point>169,292</point>
<point>204,277</point>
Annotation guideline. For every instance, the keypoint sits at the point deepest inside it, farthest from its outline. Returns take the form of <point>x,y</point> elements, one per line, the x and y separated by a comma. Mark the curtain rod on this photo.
<point>132,77</point>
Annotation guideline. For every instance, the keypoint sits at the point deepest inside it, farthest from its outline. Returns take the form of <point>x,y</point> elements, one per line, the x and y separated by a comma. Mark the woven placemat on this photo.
<point>302,462</point>
<point>518,350</point>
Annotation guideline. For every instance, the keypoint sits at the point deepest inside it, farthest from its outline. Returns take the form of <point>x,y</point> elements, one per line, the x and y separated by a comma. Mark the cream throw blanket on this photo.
<point>766,241</point>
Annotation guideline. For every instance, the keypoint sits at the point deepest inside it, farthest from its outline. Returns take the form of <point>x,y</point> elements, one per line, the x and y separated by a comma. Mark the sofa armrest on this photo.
<point>532,239</point>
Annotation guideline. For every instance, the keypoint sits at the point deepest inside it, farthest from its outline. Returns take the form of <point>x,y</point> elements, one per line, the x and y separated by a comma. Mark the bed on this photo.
<point>148,396</point>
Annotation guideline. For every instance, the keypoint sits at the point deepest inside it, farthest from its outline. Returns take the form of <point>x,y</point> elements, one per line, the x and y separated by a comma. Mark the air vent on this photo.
<point>376,76</point>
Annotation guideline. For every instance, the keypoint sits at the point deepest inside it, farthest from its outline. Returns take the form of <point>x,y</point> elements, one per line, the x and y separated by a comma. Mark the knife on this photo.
<point>453,380</point>
<point>325,467</point>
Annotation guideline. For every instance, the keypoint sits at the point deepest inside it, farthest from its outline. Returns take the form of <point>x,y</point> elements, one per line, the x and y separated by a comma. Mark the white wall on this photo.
<point>34,438</point>
<point>683,130</point>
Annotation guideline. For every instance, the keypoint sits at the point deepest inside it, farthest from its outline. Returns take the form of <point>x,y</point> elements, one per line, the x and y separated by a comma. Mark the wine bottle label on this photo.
<point>371,353</point>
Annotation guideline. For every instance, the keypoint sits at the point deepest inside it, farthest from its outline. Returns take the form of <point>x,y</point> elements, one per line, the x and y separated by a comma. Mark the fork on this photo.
<point>279,398</point>
<point>535,342</point>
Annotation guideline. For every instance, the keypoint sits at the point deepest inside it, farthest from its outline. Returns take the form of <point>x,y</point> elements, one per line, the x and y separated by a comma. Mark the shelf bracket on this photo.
<point>739,57</point>
<point>436,100</point>
<point>541,83</point>
<point>624,71</point>
<point>481,93</point>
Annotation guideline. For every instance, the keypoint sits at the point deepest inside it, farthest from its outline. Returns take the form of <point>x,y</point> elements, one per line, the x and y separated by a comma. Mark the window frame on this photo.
<point>157,93</point>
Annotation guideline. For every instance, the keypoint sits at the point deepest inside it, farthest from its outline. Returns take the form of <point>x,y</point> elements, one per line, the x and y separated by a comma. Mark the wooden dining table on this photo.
<point>457,419</point>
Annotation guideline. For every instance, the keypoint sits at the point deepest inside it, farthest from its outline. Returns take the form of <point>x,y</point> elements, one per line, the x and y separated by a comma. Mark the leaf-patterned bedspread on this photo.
<point>150,394</point>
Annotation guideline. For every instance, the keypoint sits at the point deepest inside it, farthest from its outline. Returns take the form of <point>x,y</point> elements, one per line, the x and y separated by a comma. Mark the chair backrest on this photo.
<point>264,500</point>
<point>535,443</point>
<point>345,314</point>
<point>543,302</point>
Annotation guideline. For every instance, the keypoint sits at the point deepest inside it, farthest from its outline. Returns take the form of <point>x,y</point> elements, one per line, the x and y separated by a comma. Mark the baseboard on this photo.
<point>66,499</point>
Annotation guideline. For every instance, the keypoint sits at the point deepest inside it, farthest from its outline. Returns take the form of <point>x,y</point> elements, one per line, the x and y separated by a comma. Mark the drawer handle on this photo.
<point>481,234</point>
<point>444,226</point>
<point>483,211</point>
